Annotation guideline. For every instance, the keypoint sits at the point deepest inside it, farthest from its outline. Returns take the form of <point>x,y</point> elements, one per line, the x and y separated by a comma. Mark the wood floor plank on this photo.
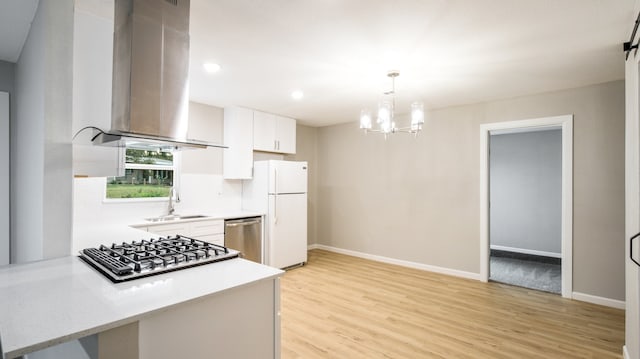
<point>339,306</point>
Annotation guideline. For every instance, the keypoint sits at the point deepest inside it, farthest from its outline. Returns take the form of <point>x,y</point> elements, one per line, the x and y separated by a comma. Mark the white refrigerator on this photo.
<point>279,189</point>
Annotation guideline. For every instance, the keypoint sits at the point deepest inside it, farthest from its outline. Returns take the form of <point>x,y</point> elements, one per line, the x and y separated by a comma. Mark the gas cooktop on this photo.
<point>127,261</point>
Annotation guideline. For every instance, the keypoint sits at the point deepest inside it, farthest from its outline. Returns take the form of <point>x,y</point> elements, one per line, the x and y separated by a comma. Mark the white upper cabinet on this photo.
<point>237,160</point>
<point>286,134</point>
<point>273,133</point>
<point>205,124</point>
<point>264,131</point>
<point>246,131</point>
<point>92,69</point>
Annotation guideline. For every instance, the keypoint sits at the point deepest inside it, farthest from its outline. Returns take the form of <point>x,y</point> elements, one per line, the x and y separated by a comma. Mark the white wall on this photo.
<point>41,137</point>
<point>526,191</point>
<point>27,146</point>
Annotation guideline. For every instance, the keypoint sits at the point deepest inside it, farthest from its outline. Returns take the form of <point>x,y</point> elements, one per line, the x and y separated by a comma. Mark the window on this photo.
<point>148,174</point>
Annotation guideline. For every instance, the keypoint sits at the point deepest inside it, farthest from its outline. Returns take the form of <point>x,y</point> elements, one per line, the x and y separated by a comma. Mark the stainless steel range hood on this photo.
<point>150,103</point>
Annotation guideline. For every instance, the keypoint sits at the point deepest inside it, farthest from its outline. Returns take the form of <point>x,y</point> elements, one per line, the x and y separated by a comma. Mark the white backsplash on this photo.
<point>199,194</point>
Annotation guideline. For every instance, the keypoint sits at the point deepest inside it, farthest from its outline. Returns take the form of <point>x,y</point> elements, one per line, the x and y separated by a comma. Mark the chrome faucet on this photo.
<point>174,197</point>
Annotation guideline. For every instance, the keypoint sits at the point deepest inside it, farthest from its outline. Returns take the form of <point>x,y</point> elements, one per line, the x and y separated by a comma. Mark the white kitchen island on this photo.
<point>228,309</point>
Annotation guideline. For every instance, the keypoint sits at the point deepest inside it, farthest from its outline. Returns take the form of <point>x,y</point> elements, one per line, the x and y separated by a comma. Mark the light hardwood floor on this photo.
<point>339,306</point>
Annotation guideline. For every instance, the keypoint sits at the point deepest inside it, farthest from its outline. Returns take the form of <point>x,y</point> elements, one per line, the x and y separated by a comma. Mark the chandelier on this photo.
<point>386,114</point>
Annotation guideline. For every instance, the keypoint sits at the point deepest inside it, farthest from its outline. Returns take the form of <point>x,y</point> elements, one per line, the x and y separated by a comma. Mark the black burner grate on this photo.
<point>127,261</point>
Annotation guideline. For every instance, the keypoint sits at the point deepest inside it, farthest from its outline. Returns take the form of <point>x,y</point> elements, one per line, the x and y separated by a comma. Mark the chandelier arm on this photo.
<point>386,114</point>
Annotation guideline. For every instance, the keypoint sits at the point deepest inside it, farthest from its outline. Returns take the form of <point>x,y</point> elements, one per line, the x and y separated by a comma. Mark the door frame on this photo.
<point>565,123</point>
<point>5,191</point>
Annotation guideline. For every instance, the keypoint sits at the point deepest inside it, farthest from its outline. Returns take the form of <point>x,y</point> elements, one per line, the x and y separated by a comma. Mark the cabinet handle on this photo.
<point>242,224</point>
<point>275,144</point>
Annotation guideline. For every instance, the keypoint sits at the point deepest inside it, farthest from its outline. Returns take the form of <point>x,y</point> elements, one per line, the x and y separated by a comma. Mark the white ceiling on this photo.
<point>448,52</point>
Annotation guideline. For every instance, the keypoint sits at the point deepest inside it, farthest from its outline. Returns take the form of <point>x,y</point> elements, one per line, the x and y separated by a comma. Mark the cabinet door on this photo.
<point>245,320</point>
<point>264,131</point>
<point>237,160</point>
<point>286,135</point>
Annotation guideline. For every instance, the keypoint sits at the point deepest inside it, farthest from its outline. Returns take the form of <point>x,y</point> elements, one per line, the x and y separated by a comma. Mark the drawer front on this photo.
<point>169,229</point>
<point>212,238</point>
<point>207,227</point>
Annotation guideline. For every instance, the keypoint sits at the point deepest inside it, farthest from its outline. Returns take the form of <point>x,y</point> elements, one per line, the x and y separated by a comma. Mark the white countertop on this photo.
<point>49,302</point>
<point>207,216</point>
<point>108,232</point>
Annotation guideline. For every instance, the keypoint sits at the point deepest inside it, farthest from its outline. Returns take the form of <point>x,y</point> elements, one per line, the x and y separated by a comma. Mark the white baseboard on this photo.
<point>625,352</point>
<point>526,251</point>
<point>403,263</point>
<point>312,246</point>
<point>614,303</point>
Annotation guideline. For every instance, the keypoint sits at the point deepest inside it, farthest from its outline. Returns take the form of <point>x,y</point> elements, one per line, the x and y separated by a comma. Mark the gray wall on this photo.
<point>41,177</point>
<point>6,85</point>
<point>6,76</point>
<point>525,190</point>
<point>418,199</point>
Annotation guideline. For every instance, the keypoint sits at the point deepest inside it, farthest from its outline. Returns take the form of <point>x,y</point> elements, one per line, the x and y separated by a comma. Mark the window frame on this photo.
<point>175,167</point>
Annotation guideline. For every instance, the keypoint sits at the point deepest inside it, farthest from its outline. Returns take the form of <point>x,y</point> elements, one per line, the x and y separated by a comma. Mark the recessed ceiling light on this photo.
<point>210,67</point>
<point>297,95</point>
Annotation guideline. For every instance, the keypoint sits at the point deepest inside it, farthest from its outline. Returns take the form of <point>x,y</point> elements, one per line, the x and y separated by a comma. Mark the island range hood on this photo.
<point>150,97</point>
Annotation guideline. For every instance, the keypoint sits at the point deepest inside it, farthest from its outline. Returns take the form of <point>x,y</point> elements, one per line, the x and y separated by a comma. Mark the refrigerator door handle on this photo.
<point>275,196</point>
<point>275,209</point>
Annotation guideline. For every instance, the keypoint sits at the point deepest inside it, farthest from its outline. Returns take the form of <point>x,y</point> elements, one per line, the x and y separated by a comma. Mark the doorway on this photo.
<point>565,125</point>
<point>525,185</point>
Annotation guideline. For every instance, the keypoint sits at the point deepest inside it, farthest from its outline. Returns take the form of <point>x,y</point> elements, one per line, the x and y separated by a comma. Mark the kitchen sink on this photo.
<point>174,217</point>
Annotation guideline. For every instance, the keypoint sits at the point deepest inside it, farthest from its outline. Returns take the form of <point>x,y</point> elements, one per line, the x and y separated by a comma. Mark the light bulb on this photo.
<point>365,119</point>
<point>297,95</point>
<point>417,116</point>
<point>211,67</point>
<point>384,112</point>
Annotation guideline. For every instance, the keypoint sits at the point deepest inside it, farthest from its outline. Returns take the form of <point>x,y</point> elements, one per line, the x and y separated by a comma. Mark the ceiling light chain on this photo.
<point>386,114</point>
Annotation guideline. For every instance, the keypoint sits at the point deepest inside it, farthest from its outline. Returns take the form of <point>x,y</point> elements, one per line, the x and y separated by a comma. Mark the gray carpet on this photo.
<point>526,273</point>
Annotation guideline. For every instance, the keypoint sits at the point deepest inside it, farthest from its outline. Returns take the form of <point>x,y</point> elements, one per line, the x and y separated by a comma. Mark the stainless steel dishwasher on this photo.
<point>245,235</point>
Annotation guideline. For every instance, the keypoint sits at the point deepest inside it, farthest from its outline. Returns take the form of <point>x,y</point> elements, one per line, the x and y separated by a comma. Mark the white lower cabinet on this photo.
<point>245,320</point>
<point>170,229</point>
<point>209,230</point>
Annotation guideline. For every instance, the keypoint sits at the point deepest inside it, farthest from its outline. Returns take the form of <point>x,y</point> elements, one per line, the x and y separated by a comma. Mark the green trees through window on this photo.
<point>148,174</point>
